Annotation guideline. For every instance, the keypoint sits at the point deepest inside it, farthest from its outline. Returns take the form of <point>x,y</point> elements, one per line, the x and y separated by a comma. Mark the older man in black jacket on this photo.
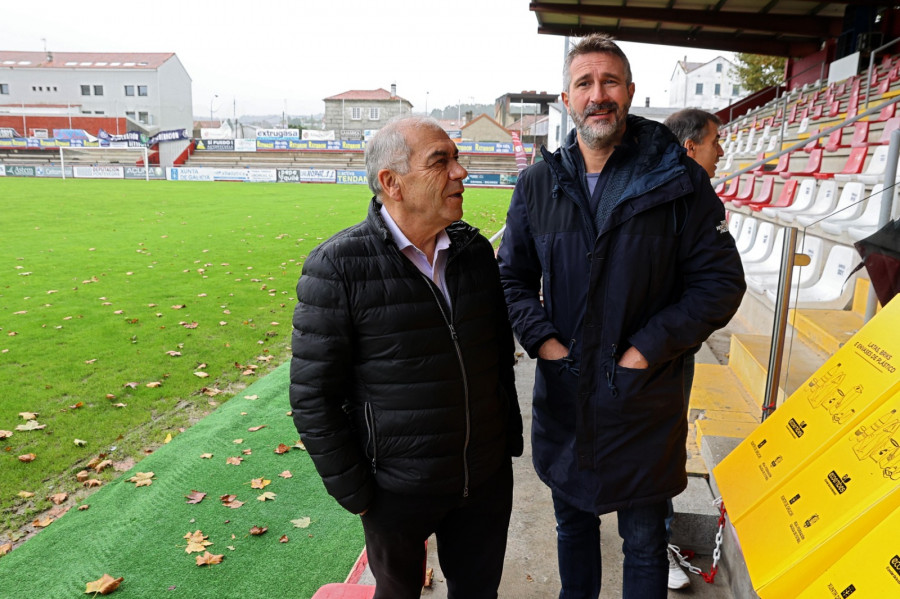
<point>401,382</point>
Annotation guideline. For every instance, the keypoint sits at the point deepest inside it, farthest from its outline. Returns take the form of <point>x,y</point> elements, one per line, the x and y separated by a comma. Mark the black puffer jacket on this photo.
<point>389,386</point>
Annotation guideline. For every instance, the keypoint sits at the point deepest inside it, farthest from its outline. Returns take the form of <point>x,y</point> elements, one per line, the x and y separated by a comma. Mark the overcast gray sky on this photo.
<point>266,56</point>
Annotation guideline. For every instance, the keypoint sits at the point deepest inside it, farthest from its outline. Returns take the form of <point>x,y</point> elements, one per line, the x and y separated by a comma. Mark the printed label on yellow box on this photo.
<point>870,569</point>
<point>855,473</point>
<point>850,386</point>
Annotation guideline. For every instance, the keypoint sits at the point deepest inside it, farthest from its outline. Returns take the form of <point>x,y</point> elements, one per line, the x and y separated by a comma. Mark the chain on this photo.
<point>717,552</point>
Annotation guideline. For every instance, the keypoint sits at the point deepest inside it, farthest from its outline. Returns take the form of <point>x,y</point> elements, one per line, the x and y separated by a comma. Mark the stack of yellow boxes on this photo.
<point>814,491</point>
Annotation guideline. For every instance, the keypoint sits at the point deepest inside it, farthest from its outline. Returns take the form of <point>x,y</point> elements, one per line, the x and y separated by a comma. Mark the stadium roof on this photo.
<point>83,60</point>
<point>790,28</point>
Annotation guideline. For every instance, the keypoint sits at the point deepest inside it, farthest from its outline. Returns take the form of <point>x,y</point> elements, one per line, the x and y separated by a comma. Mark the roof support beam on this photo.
<point>801,25</point>
<point>722,42</point>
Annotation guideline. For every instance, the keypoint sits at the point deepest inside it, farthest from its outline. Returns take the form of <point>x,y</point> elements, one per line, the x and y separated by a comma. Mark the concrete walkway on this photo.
<point>530,571</point>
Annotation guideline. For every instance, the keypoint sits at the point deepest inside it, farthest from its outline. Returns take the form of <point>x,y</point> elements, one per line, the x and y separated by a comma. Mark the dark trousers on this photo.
<point>645,568</point>
<point>471,538</point>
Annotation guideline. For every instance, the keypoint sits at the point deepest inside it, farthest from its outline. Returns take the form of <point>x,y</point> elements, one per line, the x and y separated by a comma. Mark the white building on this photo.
<point>710,85</point>
<point>151,90</point>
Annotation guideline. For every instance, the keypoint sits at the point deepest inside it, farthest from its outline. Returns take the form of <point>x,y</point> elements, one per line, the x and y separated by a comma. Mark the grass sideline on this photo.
<point>88,297</point>
<point>137,533</point>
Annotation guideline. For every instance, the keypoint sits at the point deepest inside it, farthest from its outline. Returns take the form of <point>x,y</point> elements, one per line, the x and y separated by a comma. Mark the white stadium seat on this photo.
<point>833,290</point>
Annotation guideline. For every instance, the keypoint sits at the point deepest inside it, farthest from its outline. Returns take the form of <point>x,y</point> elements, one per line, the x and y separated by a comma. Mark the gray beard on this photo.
<point>600,135</point>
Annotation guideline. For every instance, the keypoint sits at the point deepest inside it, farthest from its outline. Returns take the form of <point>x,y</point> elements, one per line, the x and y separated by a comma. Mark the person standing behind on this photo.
<point>402,385</point>
<point>698,131</point>
<point>615,262</point>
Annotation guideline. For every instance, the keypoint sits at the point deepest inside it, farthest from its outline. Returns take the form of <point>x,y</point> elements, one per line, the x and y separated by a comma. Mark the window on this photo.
<point>99,112</point>
<point>736,90</point>
<point>143,117</point>
<point>718,89</point>
<point>4,89</point>
<point>130,114</point>
<point>355,113</point>
<point>142,90</point>
<point>129,90</point>
<point>699,89</point>
<point>374,113</point>
<point>718,67</point>
<point>85,90</point>
<point>98,90</point>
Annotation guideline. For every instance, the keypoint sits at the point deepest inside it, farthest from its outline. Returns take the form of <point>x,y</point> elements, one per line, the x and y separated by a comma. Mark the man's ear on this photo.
<point>390,184</point>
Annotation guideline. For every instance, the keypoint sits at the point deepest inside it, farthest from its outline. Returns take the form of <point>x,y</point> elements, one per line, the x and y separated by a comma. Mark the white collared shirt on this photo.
<point>434,270</point>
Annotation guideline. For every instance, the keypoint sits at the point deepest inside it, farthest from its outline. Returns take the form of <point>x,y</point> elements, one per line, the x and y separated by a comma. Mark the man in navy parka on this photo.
<point>615,262</point>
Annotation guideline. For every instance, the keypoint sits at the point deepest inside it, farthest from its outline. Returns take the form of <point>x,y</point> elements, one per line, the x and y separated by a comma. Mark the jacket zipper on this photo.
<point>462,368</point>
<point>370,427</point>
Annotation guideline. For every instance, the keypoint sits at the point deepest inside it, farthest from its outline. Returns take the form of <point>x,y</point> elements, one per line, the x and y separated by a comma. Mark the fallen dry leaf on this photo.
<point>58,498</point>
<point>101,465</point>
<point>207,559</point>
<point>253,429</point>
<point>28,457</point>
<point>31,425</point>
<point>5,548</point>
<point>258,530</point>
<point>197,542</point>
<point>283,539</point>
<point>247,451</point>
<point>267,496</point>
<point>282,448</point>
<point>206,456</point>
<point>429,577</point>
<point>104,585</point>
<point>80,442</point>
<point>83,507</point>
<point>173,353</point>
<point>5,434</point>
<point>28,415</point>
<point>251,397</point>
<point>92,482</point>
<point>233,504</point>
<point>286,474</point>
<point>299,445</point>
<point>303,522</point>
<point>154,384</point>
<point>259,483</point>
<point>142,479</point>
<point>201,374</point>
<point>133,385</point>
<point>238,441</point>
<point>82,476</point>
<point>42,523</point>
<point>168,439</point>
<point>234,461</point>
<point>179,306</point>
<point>195,497</point>
<point>77,405</point>
<point>25,494</point>
<point>189,325</point>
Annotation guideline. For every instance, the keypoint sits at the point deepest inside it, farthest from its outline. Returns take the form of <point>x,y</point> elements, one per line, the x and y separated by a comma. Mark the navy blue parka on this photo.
<point>661,273</point>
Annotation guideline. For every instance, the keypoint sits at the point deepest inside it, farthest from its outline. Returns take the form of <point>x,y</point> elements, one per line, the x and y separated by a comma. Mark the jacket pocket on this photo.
<point>653,393</point>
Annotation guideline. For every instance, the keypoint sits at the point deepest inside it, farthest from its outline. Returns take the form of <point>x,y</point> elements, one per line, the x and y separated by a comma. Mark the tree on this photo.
<point>756,71</point>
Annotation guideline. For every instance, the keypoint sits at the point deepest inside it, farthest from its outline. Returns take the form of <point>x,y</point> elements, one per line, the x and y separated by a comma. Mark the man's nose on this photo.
<point>458,172</point>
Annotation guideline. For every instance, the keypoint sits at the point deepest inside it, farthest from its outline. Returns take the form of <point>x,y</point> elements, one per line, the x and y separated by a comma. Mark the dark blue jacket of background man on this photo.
<point>661,273</point>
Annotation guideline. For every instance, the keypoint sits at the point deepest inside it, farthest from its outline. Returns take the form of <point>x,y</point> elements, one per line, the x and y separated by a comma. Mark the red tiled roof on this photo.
<point>83,60</point>
<point>367,94</point>
<point>484,116</point>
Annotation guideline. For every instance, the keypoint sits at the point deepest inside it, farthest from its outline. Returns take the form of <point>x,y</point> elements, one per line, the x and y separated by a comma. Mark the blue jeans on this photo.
<point>643,532</point>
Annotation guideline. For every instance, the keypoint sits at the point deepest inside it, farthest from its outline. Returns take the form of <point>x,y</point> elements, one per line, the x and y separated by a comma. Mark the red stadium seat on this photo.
<point>762,198</point>
<point>813,165</point>
<point>853,166</point>
<point>785,198</point>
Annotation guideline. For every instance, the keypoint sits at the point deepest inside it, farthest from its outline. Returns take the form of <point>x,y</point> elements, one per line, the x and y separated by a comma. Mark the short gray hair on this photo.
<point>690,124</point>
<point>389,147</point>
<point>594,43</point>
